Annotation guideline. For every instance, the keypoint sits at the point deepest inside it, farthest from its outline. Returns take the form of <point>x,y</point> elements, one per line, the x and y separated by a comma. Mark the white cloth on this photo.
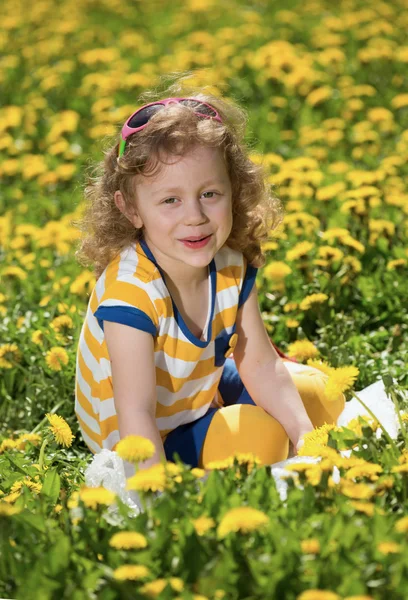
<point>107,468</point>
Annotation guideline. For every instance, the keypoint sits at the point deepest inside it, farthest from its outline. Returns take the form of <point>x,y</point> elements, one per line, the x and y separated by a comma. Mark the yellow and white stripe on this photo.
<point>186,376</point>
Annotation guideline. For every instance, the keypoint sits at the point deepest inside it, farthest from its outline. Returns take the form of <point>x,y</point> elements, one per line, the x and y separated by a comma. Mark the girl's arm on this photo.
<point>131,352</point>
<point>265,376</point>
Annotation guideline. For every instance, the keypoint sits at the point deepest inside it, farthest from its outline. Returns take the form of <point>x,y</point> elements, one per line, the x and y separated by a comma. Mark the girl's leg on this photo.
<point>245,427</point>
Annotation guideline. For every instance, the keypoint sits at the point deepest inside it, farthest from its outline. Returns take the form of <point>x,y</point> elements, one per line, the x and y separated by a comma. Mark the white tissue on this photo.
<point>376,399</point>
<point>107,469</point>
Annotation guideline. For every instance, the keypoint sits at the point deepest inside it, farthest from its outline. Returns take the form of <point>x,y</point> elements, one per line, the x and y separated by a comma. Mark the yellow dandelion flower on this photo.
<point>329,253</point>
<point>356,425</point>
<point>359,597</point>
<point>311,546</point>
<point>198,472</point>
<point>220,465</point>
<point>366,507</point>
<point>37,337</point>
<point>13,271</point>
<point>329,192</point>
<point>92,497</point>
<point>247,458</point>
<point>203,524</point>
<point>300,250</point>
<point>6,510</point>
<point>319,95</point>
<point>177,584</point>
<point>302,350</point>
<point>8,444</point>
<point>339,381</point>
<point>62,324</point>
<point>20,322</point>
<point>400,469</point>
<point>56,357</point>
<point>360,491</point>
<point>292,323</point>
<point>320,365</point>
<point>389,548</point>
<point>58,508</point>
<point>385,483</point>
<point>9,354</point>
<point>400,101</point>
<point>312,299</point>
<point>60,430</point>
<point>73,500</point>
<point>290,306</point>
<point>127,540</point>
<point>151,479</point>
<point>153,588</point>
<point>267,246</point>
<point>173,470</point>
<point>402,525</point>
<point>10,498</point>
<point>314,474</point>
<point>244,519</point>
<point>133,572</point>
<point>135,448</point>
<point>44,301</point>
<point>404,456</point>
<point>318,595</point>
<point>398,262</point>
<point>27,482</point>
<point>24,438</point>
<point>277,270</point>
<point>353,461</point>
<point>316,442</point>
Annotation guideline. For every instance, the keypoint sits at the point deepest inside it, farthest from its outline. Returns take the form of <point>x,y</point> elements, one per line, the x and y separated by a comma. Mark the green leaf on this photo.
<point>52,485</point>
<point>58,555</point>
<point>35,521</point>
<point>17,466</point>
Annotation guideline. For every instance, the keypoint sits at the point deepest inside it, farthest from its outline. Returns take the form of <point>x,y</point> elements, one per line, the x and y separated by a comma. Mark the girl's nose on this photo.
<point>194,214</point>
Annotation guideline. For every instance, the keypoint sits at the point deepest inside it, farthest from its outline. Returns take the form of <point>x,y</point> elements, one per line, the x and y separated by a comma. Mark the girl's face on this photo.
<point>189,198</point>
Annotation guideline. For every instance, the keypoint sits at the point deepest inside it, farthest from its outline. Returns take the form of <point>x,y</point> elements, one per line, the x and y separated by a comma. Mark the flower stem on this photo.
<point>41,459</point>
<point>390,392</point>
<point>390,440</point>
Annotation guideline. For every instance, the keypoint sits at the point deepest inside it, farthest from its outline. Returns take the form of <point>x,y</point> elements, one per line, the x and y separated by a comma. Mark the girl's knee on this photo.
<point>245,428</point>
<point>310,383</point>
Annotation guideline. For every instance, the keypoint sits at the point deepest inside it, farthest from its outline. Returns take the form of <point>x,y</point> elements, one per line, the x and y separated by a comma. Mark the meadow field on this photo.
<point>325,87</point>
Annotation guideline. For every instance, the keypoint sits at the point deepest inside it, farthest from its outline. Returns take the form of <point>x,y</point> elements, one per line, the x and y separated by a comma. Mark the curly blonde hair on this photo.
<point>175,130</point>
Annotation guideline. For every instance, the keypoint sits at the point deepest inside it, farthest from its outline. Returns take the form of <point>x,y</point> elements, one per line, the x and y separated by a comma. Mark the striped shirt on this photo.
<point>132,291</point>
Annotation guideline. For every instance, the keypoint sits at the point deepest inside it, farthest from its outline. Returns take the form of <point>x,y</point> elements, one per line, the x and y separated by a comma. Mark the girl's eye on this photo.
<point>169,200</point>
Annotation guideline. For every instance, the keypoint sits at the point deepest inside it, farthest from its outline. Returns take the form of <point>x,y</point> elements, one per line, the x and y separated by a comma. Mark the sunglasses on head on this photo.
<point>139,119</point>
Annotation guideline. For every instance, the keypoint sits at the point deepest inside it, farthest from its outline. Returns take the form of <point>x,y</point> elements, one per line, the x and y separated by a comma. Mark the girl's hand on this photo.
<point>299,445</point>
<point>299,441</point>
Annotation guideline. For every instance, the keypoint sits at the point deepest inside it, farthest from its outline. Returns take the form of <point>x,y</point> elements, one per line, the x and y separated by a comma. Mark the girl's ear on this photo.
<point>133,217</point>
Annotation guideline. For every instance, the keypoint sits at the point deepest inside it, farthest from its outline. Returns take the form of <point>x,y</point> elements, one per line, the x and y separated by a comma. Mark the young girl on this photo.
<point>174,223</point>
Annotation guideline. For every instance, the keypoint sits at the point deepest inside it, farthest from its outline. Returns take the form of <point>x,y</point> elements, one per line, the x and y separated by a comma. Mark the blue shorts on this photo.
<point>187,440</point>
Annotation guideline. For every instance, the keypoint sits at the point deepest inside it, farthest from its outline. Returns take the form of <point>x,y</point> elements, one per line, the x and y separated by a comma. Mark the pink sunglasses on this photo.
<point>139,119</point>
